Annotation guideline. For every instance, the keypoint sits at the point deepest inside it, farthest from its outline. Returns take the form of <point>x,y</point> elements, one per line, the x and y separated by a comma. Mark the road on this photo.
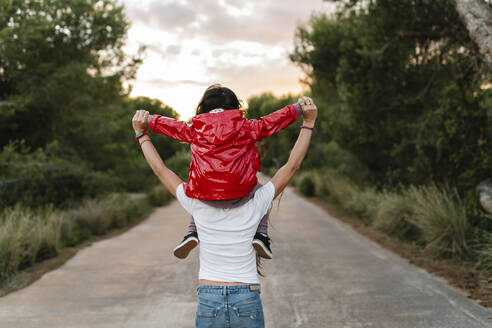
<point>323,274</point>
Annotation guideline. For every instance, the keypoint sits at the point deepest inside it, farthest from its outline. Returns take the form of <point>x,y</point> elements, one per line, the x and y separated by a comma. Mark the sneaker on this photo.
<point>184,248</point>
<point>261,243</point>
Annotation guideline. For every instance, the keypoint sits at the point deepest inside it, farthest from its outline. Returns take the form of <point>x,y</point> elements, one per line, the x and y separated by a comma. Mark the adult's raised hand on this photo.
<point>140,120</point>
<point>309,111</point>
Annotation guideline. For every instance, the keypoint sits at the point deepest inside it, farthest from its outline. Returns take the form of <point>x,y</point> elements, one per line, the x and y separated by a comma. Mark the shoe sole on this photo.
<point>262,250</point>
<point>182,250</point>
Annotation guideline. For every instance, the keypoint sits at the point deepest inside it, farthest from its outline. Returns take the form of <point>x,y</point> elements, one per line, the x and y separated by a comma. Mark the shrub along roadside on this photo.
<point>427,225</point>
<point>159,196</point>
<point>433,219</point>
<point>485,251</point>
<point>39,177</point>
<point>29,235</point>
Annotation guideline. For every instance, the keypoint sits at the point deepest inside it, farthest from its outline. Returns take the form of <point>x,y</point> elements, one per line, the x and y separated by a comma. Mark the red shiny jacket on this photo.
<point>224,159</point>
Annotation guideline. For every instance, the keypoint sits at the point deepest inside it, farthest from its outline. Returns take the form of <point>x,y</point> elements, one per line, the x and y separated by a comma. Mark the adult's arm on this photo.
<point>283,176</point>
<point>171,127</point>
<point>274,122</point>
<point>168,178</point>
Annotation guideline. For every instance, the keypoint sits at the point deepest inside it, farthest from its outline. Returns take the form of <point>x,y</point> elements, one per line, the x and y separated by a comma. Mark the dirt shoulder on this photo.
<point>476,284</point>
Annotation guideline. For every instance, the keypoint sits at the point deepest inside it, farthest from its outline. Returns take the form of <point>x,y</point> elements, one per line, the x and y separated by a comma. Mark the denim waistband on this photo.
<point>225,290</point>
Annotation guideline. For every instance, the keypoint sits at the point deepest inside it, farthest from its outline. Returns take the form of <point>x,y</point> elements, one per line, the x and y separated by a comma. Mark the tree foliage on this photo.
<point>323,154</point>
<point>62,69</point>
<point>63,106</point>
<point>406,90</point>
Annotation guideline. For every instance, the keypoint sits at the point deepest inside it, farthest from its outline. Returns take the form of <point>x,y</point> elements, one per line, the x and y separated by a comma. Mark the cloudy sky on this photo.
<point>191,44</point>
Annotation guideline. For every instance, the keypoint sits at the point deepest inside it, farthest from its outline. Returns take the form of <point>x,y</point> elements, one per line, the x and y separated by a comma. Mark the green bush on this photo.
<point>73,234</point>
<point>331,157</point>
<point>339,189</point>
<point>36,178</point>
<point>159,196</point>
<point>269,170</point>
<point>393,214</point>
<point>361,202</point>
<point>180,163</point>
<point>306,183</point>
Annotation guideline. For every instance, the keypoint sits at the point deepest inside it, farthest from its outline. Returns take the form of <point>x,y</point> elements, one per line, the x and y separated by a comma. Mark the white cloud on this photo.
<point>162,14</point>
<point>194,43</point>
<point>173,49</point>
<point>266,22</point>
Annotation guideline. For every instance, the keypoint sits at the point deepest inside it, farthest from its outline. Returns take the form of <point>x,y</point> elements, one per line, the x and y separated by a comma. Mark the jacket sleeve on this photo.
<point>274,122</point>
<point>172,128</point>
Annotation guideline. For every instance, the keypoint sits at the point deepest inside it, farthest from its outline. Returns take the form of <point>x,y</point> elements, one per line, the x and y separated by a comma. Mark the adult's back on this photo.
<point>226,251</point>
<point>229,297</point>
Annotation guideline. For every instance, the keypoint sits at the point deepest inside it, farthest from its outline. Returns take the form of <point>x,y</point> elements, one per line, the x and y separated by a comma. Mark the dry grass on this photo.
<point>99,215</point>
<point>27,236</point>
<point>429,216</point>
<point>485,251</point>
<point>159,195</point>
<point>392,215</point>
<point>441,216</point>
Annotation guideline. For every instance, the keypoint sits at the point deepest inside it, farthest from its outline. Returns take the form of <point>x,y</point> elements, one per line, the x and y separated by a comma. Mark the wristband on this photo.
<point>141,134</point>
<point>307,127</point>
<point>144,142</point>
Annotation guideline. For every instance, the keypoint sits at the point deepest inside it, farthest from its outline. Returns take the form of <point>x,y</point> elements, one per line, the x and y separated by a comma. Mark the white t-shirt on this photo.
<point>226,235</point>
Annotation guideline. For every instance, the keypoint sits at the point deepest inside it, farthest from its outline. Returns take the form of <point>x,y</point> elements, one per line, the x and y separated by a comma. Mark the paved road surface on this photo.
<point>324,275</point>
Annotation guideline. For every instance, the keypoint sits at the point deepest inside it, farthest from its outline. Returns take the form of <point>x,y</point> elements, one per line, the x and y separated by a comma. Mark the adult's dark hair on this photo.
<point>217,96</point>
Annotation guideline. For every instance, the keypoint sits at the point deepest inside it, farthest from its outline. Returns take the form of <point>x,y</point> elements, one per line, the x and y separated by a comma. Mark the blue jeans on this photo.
<point>229,306</point>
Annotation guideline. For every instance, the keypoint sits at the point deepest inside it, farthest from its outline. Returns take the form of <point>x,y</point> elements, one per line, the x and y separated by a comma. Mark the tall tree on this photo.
<point>477,17</point>
<point>413,105</point>
<point>62,68</point>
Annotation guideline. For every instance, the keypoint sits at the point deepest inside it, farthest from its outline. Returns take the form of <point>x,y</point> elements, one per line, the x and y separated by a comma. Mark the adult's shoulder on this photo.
<point>265,194</point>
<point>185,201</point>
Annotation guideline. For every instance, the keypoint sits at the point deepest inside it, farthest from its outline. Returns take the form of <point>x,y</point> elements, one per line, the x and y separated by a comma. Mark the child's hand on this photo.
<point>309,110</point>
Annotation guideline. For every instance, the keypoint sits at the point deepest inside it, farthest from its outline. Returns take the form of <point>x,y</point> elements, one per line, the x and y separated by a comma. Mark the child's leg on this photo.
<point>263,226</point>
<point>261,241</point>
<point>192,226</point>
<point>189,242</point>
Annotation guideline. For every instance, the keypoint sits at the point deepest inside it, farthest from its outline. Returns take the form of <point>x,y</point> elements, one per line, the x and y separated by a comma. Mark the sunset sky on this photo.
<point>191,44</point>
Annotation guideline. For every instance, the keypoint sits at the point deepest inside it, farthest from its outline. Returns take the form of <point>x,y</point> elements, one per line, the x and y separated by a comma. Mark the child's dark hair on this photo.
<point>217,96</point>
